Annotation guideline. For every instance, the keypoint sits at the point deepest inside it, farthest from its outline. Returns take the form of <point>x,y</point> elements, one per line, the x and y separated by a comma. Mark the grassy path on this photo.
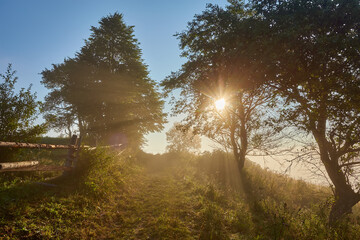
<point>164,201</point>
<point>143,201</point>
<point>159,205</point>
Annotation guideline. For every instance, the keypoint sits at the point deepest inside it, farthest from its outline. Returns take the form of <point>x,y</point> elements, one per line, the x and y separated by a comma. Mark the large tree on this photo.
<point>213,72</point>
<point>305,51</point>
<point>309,53</point>
<point>105,88</point>
<point>18,111</point>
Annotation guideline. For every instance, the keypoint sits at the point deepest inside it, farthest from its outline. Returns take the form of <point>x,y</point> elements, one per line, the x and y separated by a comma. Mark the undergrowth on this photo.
<point>274,206</point>
<point>114,195</point>
<point>65,207</point>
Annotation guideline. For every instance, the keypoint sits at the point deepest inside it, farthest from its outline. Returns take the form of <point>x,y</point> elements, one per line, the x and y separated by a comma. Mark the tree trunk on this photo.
<point>243,133</point>
<point>81,126</point>
<point>241,162</point>
<point>239,151</point>
<point>244,146</point>
<point>69,133</point>
<point>236,151</point>
<point>342,206</point>
<point>345,196</point>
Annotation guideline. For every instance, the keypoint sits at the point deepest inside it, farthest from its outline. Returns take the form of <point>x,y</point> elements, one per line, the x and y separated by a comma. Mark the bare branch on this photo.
<point>349,164</point>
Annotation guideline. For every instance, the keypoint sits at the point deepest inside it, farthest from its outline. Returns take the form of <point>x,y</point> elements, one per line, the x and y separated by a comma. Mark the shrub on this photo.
<point>212,223</point>
<point>100,171</point>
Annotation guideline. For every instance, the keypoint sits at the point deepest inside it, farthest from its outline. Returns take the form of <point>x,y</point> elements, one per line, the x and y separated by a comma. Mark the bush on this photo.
<point>212,223</point>
<point>100,171</point>
<point>18,114</point>
<point>241,221</point>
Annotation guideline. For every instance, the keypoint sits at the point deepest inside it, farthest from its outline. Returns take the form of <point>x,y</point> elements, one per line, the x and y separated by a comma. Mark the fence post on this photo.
<point>78,145</point>
<point>70,156</point>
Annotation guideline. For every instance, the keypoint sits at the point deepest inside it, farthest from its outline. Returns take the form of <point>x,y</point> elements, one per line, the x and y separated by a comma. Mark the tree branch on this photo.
<point>349,164</point>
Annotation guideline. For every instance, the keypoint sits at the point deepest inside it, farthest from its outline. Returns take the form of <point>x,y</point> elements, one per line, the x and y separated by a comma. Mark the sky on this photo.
<point>36,34</point>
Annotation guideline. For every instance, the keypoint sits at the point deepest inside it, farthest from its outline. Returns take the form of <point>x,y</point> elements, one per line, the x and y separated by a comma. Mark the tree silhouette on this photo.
<point>213,71</point>
<point>106,87</point>
<point>314,64</point>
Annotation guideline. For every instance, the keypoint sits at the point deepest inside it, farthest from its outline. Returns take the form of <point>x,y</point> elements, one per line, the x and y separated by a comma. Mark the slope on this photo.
<point>169,196</point>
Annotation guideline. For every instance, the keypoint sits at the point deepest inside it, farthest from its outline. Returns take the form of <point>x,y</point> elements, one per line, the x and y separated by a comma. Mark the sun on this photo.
<point>220,104</point>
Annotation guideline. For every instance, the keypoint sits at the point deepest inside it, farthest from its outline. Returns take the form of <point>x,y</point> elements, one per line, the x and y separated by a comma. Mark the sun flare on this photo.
<point>220,104</point>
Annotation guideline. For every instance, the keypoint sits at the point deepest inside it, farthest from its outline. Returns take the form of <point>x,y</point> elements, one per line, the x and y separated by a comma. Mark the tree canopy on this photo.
<point>213,71</point>
<point>312,59</point>
<point>305,52</point>
<point>105,88</point>
<point>18,112</point>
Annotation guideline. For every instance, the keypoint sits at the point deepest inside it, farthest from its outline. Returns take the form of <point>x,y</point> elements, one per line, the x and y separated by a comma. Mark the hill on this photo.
<point>169,196</point>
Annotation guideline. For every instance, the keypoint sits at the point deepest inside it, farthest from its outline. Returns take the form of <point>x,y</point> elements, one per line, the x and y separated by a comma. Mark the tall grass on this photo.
<point>168,196</point>
<point>69,210</point>
<point>274,206</point>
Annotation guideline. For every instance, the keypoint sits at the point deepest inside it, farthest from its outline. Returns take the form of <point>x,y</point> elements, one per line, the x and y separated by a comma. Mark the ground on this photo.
<point>168,196</point>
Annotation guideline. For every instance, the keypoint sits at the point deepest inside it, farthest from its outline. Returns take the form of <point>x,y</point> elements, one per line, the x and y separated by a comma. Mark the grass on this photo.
<point>169,196</point>
<point>73,209</point>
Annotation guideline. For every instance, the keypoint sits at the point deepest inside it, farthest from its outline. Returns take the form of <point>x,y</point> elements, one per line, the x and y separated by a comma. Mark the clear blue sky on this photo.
<point>35,34</point>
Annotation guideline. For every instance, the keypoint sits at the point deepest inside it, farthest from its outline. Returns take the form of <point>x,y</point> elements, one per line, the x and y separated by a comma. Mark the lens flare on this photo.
<point>220,104</point>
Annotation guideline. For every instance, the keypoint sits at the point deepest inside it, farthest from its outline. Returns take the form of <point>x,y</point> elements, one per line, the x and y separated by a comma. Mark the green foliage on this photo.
<point>241,220</point>
<point>311,63</point>
<point>170,196</point>
<point>105,89</point>
<point>100,172</point>
<point>314,64</point>
<point>214,70</point>
<point>279,221</point>
<point>213,226</point>
<point>75,208</point>
<point>18,111</point>
<point>270,205</point>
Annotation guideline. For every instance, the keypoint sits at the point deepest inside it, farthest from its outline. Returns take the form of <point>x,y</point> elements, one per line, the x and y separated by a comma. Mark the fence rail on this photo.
<point>36,145</point>
<point>11,165</point>
<point>69,165</point>
<point>41,168</point>
<point>70,162</point>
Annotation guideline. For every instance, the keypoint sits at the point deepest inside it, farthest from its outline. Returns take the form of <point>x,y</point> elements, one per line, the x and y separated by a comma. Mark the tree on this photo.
<point>308,52</point>
<point>106,87</point>
<point>213,72</point>
<point>182,139</point>
<point>18,111</point>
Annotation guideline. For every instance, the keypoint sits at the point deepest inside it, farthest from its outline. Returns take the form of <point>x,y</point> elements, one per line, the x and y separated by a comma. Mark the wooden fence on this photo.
<point>70,162</point>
